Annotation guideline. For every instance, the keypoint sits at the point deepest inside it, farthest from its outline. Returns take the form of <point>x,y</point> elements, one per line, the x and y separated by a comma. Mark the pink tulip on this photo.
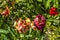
<point>40,22</point>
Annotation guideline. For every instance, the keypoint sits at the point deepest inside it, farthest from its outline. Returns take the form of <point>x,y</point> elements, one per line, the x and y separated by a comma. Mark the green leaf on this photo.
<point>17,1</point>
<point>48,23</point>
<point>4,31</point>
<point>55,3</point>
<point>39,0</point>
<point>12,34</point>
<point>30,1</point>
<point>48,4</point>
<point>3,37</point>
<point>56,22</point>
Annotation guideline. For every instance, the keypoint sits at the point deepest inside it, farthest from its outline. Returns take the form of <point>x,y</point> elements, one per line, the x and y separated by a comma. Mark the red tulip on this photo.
<point>6,12</point>
<point>53,11</point>
<point>40,22</point>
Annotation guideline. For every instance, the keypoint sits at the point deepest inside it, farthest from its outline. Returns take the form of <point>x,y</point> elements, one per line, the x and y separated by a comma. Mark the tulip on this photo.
<point>53,11</point>
<point>39,22</point>
<point>6,12</point>
<point>20,26</point>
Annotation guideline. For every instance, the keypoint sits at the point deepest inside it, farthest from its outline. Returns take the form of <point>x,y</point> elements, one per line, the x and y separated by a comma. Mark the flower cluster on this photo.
<point>23,25</point>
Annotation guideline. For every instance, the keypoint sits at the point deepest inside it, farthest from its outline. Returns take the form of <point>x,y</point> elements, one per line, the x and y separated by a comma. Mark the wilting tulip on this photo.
<point>39,22</point>
<point>53,11</point>
<point>20,25</point>
<point>6,12</point>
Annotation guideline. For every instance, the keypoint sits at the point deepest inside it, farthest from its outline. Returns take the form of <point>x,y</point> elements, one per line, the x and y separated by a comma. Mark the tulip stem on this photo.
<point>41,32</point>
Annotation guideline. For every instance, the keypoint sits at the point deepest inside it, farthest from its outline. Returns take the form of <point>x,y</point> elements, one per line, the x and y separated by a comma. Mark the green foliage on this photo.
<point>29,8</point>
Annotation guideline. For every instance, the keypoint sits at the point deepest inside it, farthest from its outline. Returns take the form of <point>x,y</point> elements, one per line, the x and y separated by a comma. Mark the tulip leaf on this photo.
<point>17,1</point>
<point>55,3</point>
<point>4,31</point>
<point>39,0</point>
<point>47,4</point>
